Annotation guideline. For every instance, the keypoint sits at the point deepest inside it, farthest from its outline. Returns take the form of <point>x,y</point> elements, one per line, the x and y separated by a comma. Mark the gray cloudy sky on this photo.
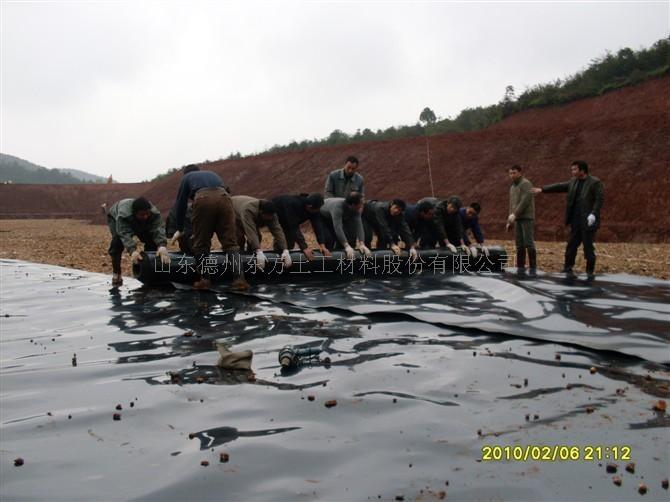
<point>135,88</point>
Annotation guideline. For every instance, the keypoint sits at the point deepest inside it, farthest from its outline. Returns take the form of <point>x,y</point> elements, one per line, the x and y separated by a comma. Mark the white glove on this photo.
<point>349,251</point>
<point>261,259</point>
<point>511,219</point>
<point>591,219</point>
<point>136,257</point>
<point>395,248</point>
<point>465,249</point>
<point>485,250</point>
<point>364,249</point>
<point>286,258</point>
<point>452,248</point>
<point>175,237</point>
<point>163,255</point>
<point>473,251</point>
<point>413,255</point>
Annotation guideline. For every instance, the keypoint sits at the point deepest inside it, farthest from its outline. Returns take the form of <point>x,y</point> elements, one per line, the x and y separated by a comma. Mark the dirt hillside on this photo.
<point>623,135</point>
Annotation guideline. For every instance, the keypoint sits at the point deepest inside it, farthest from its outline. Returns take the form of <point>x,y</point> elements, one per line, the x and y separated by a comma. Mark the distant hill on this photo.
<point>19,170</point>
<point>84,176</point>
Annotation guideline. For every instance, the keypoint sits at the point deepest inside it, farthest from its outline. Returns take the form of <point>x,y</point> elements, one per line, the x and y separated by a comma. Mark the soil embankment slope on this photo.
<point>623,135</point>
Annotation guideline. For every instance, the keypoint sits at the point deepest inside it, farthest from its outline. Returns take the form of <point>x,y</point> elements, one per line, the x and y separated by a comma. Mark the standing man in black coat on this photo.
<point>294,210</point>
<point>582,213</point>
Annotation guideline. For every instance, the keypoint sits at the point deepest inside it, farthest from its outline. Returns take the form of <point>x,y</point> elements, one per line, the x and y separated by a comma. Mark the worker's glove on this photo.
<point>413,255</point>
<point>511,219</point>
<point>163,255</point>
<point>136,257</point>
<point>176,237</point>
<point>364,249</point>
<point>452,248</point>
<point>395,248</point>
<point>591,219</point>
<point>261,259</point>
<point>485,250</point>
<point>465,249</point>
<point>286,258</point>
<point>349,251</point>
<point>473,251</point>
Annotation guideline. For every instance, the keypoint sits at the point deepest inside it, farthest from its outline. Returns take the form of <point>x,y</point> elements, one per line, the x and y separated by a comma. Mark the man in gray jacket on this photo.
<point>582,213</point>
<point>130,218</point>
<point>342,182</point>
<point>522,216</point>
<point>342,224</point>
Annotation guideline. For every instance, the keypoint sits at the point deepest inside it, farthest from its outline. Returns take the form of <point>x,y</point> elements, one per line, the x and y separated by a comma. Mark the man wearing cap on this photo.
<point>293,211</point>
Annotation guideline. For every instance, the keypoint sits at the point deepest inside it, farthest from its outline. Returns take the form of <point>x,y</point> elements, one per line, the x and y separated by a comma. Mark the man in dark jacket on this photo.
<point>448,225</point>
<point>387,221</point>
<point>420,219</point>
<point>582,213</point>
<point>212,213</point>
<point>342,224</point>
<point>131,218</point>
<point>341,182</point>
<point>470,221</point>
<point>294,210</point>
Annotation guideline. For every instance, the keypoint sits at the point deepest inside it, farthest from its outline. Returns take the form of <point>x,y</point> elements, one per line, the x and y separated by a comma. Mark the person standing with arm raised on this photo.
<point>582,213</point>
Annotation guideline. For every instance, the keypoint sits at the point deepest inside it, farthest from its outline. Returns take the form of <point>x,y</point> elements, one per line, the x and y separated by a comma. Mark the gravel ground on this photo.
<point>81,245</point>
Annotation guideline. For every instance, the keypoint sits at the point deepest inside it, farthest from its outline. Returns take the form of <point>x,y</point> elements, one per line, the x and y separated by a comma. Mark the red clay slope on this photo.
<point>63,201</point>
<point>623,135</point>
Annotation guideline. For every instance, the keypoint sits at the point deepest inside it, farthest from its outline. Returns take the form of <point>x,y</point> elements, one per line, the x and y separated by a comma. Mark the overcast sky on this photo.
<point>135,88</point>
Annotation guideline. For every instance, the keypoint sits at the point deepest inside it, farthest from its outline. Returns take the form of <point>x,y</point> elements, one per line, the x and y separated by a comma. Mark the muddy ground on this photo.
<point>81,245</point>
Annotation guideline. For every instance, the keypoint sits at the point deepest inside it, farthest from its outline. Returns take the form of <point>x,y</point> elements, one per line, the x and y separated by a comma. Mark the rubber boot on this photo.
<point>521,262</point>
<point>117,277</point>
<point>532,262</point>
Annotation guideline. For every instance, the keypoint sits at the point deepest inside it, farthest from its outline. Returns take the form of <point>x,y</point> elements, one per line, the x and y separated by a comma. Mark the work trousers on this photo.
<point>213,213</point>
<point>581,235</point>
<point>524,231</point>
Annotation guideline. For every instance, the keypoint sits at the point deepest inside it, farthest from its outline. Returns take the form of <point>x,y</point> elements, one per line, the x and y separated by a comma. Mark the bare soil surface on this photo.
<point>624,136</point>
<point>81,245</point>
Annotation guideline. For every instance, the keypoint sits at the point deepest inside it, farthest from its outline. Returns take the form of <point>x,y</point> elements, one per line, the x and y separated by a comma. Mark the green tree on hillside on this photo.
<point>427,116</point>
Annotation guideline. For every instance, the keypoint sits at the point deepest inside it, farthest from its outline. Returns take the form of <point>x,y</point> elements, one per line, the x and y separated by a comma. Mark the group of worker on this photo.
<point>343,219</point>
